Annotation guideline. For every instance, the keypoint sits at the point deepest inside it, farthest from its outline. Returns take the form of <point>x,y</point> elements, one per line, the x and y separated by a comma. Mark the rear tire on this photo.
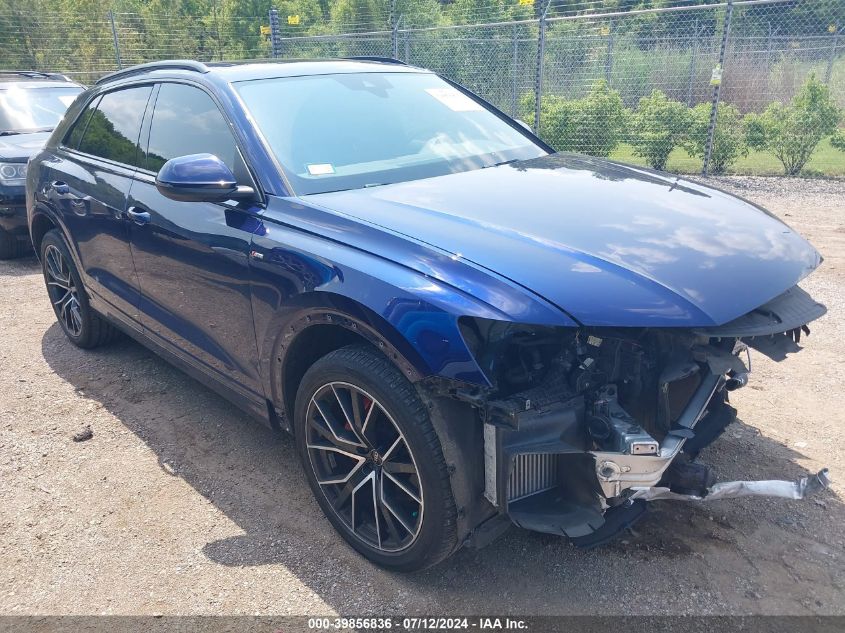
<point>80,323</point>
<point>11,247</point>
<point>374,461</point>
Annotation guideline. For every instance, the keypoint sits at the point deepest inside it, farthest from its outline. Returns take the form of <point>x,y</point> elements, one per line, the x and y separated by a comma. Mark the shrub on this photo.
<point>791,132</point>
<point>754,131</point>
<point>658,125</point>
<point>599,121</point>
<point>728,140</point>
<point>555,118</point>
<point>591,125</point>
<point>838,140</point>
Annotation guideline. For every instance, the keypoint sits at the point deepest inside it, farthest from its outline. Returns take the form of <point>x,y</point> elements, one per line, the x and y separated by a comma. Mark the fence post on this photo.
<point>692,60</point>
<point>217,32</point>
<point>392,22</point>
<point>116,42</point>
<point>717,88</point>
<point>833,46</point>
<point>608,60</point>
<point>275,33</point>
<point>407,59</point>
<point>541,54</point>
<point>394,37</point>
<point>514,89</point>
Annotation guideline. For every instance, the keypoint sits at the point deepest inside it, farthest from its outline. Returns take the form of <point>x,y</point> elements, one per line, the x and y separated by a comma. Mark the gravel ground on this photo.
<point>180,504</point>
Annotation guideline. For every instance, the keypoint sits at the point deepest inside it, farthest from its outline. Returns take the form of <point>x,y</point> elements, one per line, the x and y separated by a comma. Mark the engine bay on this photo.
<point>583,425</point>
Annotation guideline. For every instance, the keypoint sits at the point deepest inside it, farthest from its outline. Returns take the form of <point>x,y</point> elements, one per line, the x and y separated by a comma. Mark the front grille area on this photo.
<point>680,393</point>
<point>531,473</point>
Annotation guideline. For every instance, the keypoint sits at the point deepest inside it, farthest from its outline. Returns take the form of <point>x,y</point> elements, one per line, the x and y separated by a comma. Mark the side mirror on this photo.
<point>525,125</point>
<point>199,178</point>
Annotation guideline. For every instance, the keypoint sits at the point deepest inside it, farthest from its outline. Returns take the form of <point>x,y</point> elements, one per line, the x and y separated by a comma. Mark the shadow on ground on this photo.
<point>21,267</point>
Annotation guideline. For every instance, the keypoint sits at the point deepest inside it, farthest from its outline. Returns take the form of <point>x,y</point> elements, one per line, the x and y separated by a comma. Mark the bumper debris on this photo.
<point>798,489</point>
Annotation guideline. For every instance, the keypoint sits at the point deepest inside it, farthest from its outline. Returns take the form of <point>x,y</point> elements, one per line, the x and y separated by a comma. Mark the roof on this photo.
<point>34,79</point>
<point>5,84</point>
<point>265,69</point>
<point>299,68</point>
<point>23,75</point>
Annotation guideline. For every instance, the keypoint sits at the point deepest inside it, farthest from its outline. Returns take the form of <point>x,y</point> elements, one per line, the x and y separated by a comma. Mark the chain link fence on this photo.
<point>687,88</point>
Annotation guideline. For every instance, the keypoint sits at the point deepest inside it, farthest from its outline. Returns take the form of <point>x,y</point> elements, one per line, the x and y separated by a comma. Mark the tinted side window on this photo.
<point>115,126</point>
<point>186,121</point>
<point>78,129</point>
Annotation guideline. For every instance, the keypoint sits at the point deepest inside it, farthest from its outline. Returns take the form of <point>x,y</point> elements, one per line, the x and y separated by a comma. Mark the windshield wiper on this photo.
<point>504,162</point>
<point>366,186</point>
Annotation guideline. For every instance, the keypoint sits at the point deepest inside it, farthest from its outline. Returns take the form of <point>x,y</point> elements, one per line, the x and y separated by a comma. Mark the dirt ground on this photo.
<point>180,504</point>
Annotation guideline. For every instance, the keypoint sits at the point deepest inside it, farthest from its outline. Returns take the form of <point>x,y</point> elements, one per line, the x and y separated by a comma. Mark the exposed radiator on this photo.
<point>532,473</point>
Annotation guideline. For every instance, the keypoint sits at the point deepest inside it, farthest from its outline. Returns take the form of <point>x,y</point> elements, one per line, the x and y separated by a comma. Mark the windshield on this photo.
<point>348,131</point>
<point>24,109</point>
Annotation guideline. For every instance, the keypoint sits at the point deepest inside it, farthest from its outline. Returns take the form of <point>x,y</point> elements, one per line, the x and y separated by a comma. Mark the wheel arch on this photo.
<point>333,322</point>
<point>310,332</point>
<point>40,224</point>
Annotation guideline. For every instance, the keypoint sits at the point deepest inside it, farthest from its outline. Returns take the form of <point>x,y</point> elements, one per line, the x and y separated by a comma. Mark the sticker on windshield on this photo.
<point>320,169</point>
<point>454,99</point>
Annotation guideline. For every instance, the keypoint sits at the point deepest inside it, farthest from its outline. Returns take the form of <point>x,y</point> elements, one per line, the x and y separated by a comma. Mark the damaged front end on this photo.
<point>584,425</point>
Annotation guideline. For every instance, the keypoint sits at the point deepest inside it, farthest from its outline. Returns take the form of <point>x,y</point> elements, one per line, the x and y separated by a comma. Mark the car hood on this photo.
<point>22,147</point>
<point>607,243</point>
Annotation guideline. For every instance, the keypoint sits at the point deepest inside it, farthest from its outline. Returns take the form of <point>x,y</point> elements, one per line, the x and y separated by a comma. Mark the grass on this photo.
<point>825,161</point>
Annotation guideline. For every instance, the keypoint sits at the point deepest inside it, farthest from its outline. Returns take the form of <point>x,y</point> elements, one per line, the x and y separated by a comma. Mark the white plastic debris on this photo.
<point>799,489</point>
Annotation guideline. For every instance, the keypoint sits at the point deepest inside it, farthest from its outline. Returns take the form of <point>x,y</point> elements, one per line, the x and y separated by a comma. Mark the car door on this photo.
<point>192,257</point>
<point>88,186</point>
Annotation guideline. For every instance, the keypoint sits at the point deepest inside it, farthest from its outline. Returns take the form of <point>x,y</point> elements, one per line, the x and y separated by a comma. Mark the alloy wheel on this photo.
<point>364,466</point>
<point>62,290</point>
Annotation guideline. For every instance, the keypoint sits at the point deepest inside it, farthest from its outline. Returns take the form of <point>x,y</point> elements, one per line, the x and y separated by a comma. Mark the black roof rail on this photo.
<point>173,64</point>
<point>375,58</point>
<point>35,74</point>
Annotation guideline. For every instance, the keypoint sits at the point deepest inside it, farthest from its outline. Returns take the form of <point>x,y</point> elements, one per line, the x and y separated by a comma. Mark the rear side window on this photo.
<point>114,127</point>
<point>75,135</point>
<point>186,121</point>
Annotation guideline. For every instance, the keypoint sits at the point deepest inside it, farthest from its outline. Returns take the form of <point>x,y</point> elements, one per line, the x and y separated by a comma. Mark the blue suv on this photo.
<point>462,329</point>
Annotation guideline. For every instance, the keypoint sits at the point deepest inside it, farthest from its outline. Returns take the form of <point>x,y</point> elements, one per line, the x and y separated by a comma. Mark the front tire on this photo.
<point>84,327</point>
<point>374,461</point>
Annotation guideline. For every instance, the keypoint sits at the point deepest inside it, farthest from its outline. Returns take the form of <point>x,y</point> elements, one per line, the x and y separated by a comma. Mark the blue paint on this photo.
<point>559,240</point>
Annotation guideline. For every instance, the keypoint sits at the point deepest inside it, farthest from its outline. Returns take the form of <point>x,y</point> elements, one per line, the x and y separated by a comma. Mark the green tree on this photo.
<point>728,139</point>
<point>792,132</point>
<point>599,120</point>
<point>359,15</point>
<point>658,125</point>
<point>838,140</point>
<point>591,125</point>
<point>554,118</point>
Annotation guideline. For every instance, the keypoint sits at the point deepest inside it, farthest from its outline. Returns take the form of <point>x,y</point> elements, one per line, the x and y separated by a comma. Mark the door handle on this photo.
<point>78,205</point>
<point>138,217</point>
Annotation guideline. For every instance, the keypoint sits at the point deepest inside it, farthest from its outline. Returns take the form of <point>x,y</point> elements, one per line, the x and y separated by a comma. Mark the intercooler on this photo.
<point>531,473</point>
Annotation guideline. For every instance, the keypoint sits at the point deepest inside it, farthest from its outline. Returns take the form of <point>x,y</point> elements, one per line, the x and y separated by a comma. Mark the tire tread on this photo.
<point>380,368</point>
<point>98,331</point>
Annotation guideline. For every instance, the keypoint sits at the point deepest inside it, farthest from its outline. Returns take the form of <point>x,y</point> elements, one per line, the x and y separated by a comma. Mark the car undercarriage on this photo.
<point>582,426</point>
